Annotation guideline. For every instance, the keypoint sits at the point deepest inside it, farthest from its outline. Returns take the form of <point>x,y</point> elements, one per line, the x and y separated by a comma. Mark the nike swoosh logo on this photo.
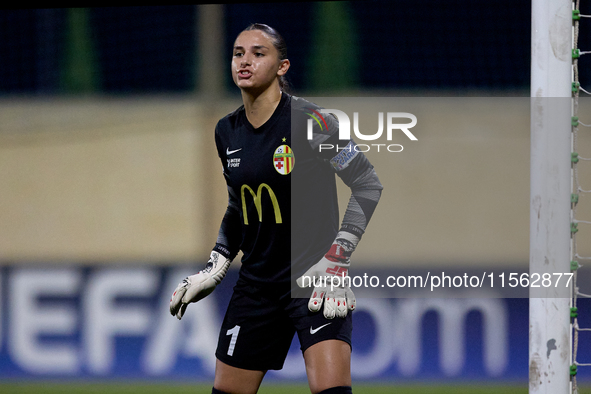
<point>315,330</point>
<point>229,152</point>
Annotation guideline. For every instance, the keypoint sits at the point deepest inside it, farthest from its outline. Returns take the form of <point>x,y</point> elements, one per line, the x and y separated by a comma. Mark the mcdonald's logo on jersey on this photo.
<point>257,202</point>
<point>283,159</point>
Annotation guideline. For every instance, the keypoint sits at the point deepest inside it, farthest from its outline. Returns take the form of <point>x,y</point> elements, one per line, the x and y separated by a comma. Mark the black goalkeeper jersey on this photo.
<point>282,211</point>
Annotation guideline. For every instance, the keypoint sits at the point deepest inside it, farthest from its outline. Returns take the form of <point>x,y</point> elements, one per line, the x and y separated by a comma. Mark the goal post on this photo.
<point>550,189</point>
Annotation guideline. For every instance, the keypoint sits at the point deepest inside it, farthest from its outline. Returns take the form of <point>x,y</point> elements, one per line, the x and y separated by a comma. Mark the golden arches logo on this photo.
<point>257,202</point>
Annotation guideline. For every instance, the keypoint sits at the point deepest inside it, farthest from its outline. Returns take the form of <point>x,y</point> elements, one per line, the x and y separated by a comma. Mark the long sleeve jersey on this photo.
<point>282,209</point>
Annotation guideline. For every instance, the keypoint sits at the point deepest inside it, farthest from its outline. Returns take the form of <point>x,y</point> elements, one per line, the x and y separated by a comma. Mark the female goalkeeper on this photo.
<point>283,215</point>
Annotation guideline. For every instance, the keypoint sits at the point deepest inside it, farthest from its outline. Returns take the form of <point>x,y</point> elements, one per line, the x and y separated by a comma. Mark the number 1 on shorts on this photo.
<point>234,332</point>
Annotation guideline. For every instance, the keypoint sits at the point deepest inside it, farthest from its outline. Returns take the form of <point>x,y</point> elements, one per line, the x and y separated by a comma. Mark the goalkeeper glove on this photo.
<point>328,278</point>
<point>195,287</point>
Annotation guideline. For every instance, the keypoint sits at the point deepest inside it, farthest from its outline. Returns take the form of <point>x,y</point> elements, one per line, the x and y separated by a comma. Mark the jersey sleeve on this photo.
<point>353,167</point>
<point>229,234</point>
<point>366,190</point>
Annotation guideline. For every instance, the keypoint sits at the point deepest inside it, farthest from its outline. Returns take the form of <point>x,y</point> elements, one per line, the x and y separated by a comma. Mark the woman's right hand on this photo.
<point>196,287</point>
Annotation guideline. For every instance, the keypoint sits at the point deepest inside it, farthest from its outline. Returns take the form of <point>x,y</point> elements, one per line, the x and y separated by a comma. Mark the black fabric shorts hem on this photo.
<point>259,326</point>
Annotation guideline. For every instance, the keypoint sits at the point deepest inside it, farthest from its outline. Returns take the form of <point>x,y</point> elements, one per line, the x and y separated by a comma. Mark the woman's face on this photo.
<point>255,61</point>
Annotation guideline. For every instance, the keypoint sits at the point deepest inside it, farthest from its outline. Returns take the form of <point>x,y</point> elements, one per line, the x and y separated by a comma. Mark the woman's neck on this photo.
<point>259,108</point>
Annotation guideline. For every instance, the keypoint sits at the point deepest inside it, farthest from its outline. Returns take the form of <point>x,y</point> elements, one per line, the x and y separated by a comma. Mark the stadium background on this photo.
<point>111,192</point>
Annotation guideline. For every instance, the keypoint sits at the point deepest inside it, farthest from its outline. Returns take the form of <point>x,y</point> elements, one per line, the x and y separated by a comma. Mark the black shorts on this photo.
<point>259,326</point>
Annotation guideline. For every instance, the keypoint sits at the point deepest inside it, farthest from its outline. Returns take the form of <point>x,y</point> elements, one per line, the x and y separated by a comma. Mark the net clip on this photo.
<point>576,15</point>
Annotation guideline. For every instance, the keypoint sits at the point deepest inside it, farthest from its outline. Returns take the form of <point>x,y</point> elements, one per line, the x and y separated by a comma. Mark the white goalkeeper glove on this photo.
<point>196,287</point>
<point>329,274</point>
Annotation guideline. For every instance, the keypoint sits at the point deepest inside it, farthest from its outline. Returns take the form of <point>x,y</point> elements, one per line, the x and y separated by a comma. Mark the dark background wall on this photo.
<point>450,45</point>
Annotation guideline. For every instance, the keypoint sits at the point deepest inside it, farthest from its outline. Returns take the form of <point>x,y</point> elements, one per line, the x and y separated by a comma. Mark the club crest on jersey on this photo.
<point>283,159</point>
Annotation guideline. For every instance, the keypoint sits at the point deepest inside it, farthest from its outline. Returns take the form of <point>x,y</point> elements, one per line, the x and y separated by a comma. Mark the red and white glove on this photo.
<point>328,278</point>
<point>196,287</point>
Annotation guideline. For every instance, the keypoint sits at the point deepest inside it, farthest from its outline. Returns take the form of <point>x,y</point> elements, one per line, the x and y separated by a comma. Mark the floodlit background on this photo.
<point>111,189</point>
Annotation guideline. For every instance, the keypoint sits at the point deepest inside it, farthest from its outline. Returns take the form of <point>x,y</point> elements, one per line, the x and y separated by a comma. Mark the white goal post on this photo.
<point>551,111</point>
